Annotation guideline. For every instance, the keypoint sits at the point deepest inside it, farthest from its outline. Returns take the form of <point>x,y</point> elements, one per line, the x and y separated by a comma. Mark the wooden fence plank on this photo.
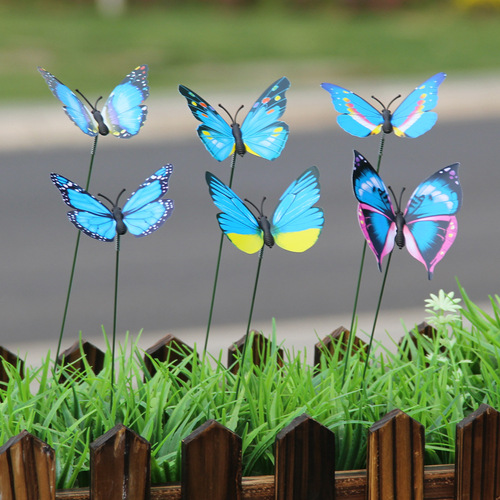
<point>167,349</point>
<point>331,342</point>
<point>260,346</point>
<point>27,469</point>
<point>305,461</point>
<point>477,445</point>
<point>120,466</point>
<point>211,464</point>
<point>395,461</point>
<point>73,356</point>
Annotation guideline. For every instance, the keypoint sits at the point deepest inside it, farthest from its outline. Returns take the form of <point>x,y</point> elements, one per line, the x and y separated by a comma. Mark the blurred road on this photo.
<point>166,279</point>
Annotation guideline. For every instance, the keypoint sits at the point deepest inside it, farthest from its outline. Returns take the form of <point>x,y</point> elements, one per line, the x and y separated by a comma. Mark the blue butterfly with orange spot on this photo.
<point>295,225</point>
<point>260,134</point>
<point>143,213</point>
<point>412,118</point>
<point>427,227</point>
<point>122,115</point>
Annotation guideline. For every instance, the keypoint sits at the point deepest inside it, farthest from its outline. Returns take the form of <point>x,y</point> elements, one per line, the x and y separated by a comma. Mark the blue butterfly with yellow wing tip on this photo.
<point>260,134</point>
<point>412,118</point>
<point>122,115</point>
<point>143,213</point>
<point>428,226</point>
<point>295,224</point>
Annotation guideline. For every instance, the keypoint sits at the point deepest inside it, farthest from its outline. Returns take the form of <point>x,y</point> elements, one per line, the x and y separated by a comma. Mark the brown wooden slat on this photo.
<point>167,349</point>
<point>72,357</point>
<point>395,461</point>
<point>331,343</point>
<point>478,455</point>
<point>120,463</point>
<point>211,464</point>
<point>13,360</point>
<point>27,469</point>
<point>260,346</point>
<point>350,485</point>
<point>305,461</point>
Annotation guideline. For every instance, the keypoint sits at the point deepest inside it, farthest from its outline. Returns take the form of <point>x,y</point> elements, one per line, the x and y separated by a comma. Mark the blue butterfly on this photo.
<point>143,213</point>
<point>123,113</point>
<point>295,224</point>
<point>412,118</point>
<point>428,226</point>
<point>260,134</point>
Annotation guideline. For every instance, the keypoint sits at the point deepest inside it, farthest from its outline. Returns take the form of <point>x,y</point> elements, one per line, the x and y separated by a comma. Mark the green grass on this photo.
<point>229,47</point>
<point>437,382</point>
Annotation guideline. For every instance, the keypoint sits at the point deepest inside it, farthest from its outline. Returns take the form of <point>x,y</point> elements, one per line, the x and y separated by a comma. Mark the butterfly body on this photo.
<point>123,113</point>
<point>261,133</point>
<point>295,224</point>
<point>428,225</point>
<point>412,118</point>
<point>143,213</point>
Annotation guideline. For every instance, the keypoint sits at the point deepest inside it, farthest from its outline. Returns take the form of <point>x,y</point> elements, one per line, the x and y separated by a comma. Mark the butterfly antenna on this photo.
<point>389,105</point>
<point>379,101</point>
<point>260,212</point>
<point>398,202</point>
<point>233,120</point>
<point>87,101</point>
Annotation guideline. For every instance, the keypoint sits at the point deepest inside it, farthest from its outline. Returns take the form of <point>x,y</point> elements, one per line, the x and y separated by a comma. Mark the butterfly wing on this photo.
<point>263,135</point>
<point>144,212</point>
<point>357,117</point>
<point>296,224</point>
<point>375,212</point>
<point>235,220</point>
<point>90,215</point>
<point>214,132</point>
<point>414,117</point>
<point>431,225</point>
<point>124,112</point>
<point>72,105</point>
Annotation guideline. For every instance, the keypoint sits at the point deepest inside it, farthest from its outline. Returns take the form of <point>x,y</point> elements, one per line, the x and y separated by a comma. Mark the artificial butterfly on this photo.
<point>143,213</point>
<point>123,114</point>
<point>260,134</point>
<point>295,224</point>
<point>412,118</point>
<point>428,226</point>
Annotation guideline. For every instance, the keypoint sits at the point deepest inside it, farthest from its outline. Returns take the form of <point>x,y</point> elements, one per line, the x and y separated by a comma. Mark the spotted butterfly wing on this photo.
<point>122,115</point>
<point>261,133</point>
<point>428,226</point>
<point>143,213</point>
<point>412,118</point>
<point>295,225</point>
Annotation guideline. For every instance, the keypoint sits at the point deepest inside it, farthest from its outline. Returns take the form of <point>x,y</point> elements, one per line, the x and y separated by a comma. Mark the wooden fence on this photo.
<point>304,458</point>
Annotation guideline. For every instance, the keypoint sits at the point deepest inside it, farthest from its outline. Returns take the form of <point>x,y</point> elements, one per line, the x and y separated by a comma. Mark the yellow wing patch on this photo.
<point>248,243</point>
<point>299,241</point>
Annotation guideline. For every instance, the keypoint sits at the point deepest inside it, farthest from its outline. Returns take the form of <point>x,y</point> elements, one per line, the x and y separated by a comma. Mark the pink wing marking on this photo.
<point>449,238</point>
<point>389,241</point>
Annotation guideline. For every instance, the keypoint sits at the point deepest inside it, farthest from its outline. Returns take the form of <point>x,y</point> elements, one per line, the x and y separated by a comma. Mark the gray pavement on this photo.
<point>308,108</point>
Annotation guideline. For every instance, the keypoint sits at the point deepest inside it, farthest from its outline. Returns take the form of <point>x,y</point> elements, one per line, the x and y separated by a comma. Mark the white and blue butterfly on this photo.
<point>143,213</point>
<point>412,118</point>
<point>295,225</point>
<point>261,134</point>
<point>427,227</point>
<point>122,115</point>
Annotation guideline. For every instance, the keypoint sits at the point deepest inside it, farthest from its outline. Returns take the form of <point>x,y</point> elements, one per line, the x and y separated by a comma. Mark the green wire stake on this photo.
<point>75,255</point>
<point>214,289</point>
<point>115,309</point>
<point>358,287</point>
<point>245,344</point>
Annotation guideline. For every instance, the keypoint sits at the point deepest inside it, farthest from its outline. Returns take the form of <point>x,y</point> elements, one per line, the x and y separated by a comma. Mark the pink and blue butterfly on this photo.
<point>122,115</point>
<point>412,118</point>
<point>143,213</point>
<point>295,224</point>
<point>427,227</point>
<point>261,133</point>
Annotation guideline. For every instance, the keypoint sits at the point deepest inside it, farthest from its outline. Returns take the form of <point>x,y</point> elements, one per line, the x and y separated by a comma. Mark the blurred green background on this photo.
<point>92,44</point>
